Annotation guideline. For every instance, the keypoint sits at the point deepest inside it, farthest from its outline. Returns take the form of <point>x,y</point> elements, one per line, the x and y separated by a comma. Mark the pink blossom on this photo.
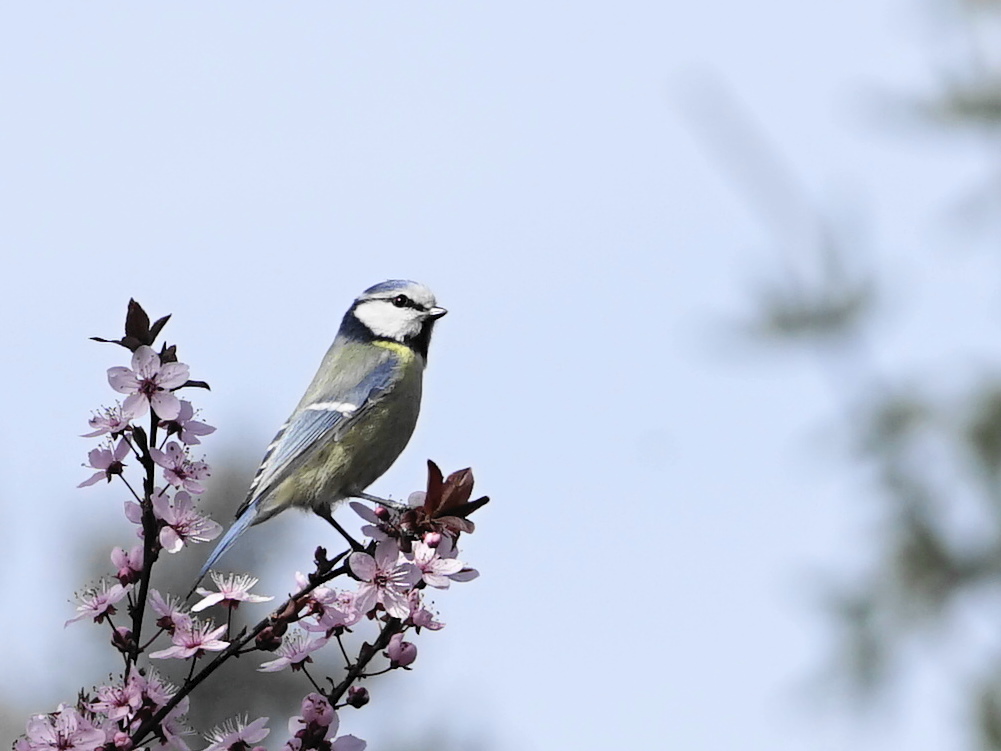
<point>400,653</point>
<point>98,602</point>
<point>293,652</point>
<point>173,729</point>
<point>193,640</point>
<point>148,383</point>
<point>237,734</point>
<point>435,566</point>
<point>171,611</point>
<point>186,426</point>
<point>332,609</point>
<point>120,702</point>
<point>316,725</point>
<point>420,616</point>
<point>159,691</point>
<point>386,579</point>
<point>146,693</point>
<point>316,708</point>
<point>183,524</point>
<point>233,589</point>
<point>134,513</point>
<point>108,462</point>
<point>129,564</point>
<point>378,527</point>
<point>179,469</point>
<point>112,420</point>
<point>64,730</point>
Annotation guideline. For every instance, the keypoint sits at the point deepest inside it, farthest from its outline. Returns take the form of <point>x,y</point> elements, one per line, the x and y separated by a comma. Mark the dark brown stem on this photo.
<point>293,603</point>
<point>365,655</point>
<point>149,540</point>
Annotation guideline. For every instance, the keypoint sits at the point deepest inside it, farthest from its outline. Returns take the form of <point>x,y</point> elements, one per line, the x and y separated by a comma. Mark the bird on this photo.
<point>356,416</point>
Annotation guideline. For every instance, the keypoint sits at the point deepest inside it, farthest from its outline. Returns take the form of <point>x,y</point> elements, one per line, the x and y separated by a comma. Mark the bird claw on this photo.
<point>394,505</point>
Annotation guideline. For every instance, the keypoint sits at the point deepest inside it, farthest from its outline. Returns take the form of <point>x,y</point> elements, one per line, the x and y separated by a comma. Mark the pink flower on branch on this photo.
<point>435,565</point>
<point>187,428</point>
<point>179,469</point>
<point>420,616</point>
<point>332,609</point>
<point>107,462</point>
<point>171,610</point>
<point>193,640</point>
<point>120,702</point>
<point>233,589</point>
<point>65,730</point>
<point>400,653</point>
<point>129,564</point>
<point>386,579</point>
<point>149,384</point>
<point>294,652</point>
<point>183,523</point>
<point>317,722</point>
<point>237,734</point>
<point>112,420</point>
<point>98,602</point>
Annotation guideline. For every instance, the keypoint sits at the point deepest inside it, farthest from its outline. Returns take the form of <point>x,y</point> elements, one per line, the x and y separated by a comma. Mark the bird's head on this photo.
<point>398,310</point>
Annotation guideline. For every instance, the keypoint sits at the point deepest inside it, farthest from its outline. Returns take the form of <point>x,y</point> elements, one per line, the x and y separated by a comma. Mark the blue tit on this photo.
<point>357,415</point>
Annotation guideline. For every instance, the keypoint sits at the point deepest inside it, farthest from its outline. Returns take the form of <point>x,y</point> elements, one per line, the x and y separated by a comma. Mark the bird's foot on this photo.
<point>394,505</point>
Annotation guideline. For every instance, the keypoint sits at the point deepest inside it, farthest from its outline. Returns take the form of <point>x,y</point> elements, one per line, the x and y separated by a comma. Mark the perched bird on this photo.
<point>355,418</point>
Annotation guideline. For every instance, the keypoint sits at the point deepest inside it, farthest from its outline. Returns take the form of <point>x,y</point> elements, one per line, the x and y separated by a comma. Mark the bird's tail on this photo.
<point>239,527</point>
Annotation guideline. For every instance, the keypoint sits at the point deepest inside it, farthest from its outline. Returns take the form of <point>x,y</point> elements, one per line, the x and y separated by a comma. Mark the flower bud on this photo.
<point>401,653</point>
<point>121,639</point>
<point>382,513</point>
<point>316,709</point>
<point>357,696</point>
<point>271,637</point>
<point>432,539</point>
<point>123,741</point>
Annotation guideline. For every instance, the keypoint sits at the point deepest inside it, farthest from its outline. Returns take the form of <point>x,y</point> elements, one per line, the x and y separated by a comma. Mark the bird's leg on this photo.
<point>395,506</point>
<point>324,513</point>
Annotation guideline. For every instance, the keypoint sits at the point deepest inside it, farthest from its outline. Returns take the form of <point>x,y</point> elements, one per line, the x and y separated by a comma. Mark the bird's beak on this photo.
<point>436,313</point>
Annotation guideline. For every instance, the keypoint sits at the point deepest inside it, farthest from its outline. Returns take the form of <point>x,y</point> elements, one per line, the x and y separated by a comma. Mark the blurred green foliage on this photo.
<point>932,455</point>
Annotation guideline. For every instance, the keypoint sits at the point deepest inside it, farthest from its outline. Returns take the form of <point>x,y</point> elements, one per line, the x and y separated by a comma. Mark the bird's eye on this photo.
<point>401,301</point>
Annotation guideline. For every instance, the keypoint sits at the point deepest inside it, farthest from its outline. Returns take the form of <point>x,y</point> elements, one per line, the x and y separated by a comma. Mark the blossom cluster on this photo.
<point>409,551</point>
<point>106,718</point>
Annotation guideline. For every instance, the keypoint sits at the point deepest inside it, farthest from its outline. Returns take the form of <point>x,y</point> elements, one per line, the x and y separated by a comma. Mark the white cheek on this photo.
<point>386,320</point>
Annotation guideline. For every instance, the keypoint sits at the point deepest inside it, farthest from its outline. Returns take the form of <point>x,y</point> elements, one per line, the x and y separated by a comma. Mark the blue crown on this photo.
<point>390,285</point>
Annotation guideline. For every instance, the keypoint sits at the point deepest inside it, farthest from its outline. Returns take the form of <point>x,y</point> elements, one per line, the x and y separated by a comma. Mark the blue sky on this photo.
<point>662,503</point>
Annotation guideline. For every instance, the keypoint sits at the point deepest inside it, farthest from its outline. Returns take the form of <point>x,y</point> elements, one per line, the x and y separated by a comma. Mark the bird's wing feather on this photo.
<point>315,424</point>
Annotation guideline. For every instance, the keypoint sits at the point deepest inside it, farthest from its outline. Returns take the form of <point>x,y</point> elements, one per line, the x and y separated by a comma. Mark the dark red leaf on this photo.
<point>458,488</point>
<point>154,330</point>
<point>137,323</point>
<point>435,486</point>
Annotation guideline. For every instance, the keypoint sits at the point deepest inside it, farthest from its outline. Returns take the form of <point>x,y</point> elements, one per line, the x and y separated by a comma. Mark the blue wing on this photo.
<point>321,420</point>
<point>314,425</point>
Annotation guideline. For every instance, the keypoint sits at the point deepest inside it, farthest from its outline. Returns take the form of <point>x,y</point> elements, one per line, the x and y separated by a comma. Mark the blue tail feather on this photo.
<point>238,528</point>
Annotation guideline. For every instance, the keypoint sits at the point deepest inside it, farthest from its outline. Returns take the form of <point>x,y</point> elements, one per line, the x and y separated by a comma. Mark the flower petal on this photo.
<point>172,375</point>
<point>137,404</point>
<point>145,362</point>
<point>122,380</point>
<point>166,405</point>
<point>362,565</point>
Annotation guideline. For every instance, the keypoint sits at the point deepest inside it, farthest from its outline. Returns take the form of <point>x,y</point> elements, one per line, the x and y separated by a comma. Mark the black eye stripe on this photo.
<point>402,301</point>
